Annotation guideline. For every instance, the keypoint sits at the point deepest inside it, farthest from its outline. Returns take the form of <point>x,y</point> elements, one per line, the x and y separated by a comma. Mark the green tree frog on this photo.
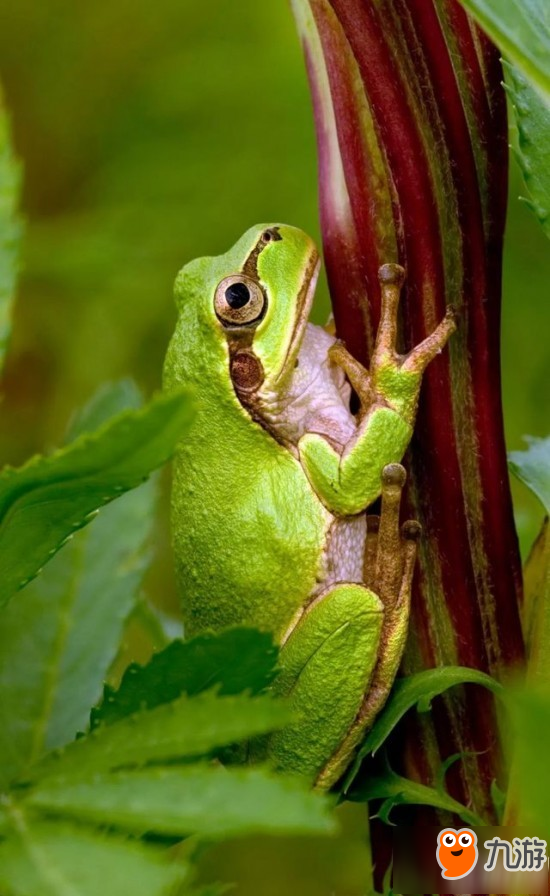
<point>272,486</point>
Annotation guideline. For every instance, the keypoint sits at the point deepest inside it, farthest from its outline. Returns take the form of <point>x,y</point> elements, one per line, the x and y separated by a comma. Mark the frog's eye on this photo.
<point>449,840</point>
<point>239,301</point>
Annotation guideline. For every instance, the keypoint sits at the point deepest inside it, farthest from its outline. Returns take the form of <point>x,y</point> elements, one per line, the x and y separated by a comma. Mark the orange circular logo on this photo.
<point>456,852</point>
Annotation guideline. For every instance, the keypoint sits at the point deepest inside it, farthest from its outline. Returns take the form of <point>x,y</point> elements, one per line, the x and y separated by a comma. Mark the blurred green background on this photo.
<point>150,134</point>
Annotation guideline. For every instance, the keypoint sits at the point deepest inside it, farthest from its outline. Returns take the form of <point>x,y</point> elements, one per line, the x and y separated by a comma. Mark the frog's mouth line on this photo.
<point>457,852</point>
<point>303,307</point>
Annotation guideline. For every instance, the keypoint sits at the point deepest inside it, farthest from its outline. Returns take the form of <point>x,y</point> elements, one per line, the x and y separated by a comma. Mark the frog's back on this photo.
<point>248,531</point>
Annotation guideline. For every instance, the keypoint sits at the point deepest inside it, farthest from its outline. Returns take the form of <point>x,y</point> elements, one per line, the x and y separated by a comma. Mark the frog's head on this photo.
<point>255,300</point>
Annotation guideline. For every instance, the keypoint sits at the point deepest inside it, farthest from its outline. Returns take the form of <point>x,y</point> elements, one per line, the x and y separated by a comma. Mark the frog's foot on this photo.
<point>390,555</point>
<point>397,377</point>
<point>392,277</point>
<point>395,548</point>
<point>419,357</point>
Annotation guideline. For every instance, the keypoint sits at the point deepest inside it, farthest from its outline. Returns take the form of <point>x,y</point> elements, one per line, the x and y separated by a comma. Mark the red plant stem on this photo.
<point>412,141</point>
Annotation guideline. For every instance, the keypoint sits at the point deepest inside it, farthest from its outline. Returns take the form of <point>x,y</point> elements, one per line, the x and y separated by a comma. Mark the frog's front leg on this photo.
<point>340,658</point>
<point>349,481</point>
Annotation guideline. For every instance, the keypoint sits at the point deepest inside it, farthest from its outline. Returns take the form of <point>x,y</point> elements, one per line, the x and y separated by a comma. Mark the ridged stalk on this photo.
<point>412,148</point>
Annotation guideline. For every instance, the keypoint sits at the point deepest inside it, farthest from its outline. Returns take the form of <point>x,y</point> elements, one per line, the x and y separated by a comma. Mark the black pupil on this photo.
<point>237,295</point>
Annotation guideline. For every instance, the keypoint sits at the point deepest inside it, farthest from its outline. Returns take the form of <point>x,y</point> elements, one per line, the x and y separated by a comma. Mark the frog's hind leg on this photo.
<point>390,554</point>
<point>327,663</point>
<point>339,660</point>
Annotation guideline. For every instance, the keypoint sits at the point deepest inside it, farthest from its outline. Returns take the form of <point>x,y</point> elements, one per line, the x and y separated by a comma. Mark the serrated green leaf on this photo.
<point>521,28</point>
<point>190,727</point>
<point>532,116</point>
<point>532,466</point>
<point>59,638</point>
<point>43,858</point>
<point>236,660</point>
<point>48,499</point>
<point>420,689</point>
<point>10,227</point>
<point>398,791</point>
<point>207,800</point>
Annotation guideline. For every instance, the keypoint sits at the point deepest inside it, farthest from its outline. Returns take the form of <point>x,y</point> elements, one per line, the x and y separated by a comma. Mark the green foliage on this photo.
<point>190,667</point>
<point>418,689</point>
<point>149,773</point>
<point>69,819</point>
<point>394,790</point>
<point>532,467</point>
<point>536,609</point>
<point>207,800</point>
<point>10,227</point>
<point>499,801</point>
<point>521,28</point>
<point>44,502</point>
<point>51,671</point>
<point>109,400</point>
<point>188,727</point>
<point>530,791</point>
<point>149,172</point>
<point>532,117</point>
<point>47,858</point>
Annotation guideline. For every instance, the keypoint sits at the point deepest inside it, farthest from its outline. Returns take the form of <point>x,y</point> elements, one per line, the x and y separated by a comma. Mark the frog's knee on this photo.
<point>350,598</point>
<point>344,601</point>
<point>344,611</point>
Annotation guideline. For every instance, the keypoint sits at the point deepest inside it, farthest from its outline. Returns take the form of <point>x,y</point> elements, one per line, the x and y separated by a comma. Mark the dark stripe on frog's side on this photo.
<point>301,318</point>
<point>245,368</point>
<point>250,267</point>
